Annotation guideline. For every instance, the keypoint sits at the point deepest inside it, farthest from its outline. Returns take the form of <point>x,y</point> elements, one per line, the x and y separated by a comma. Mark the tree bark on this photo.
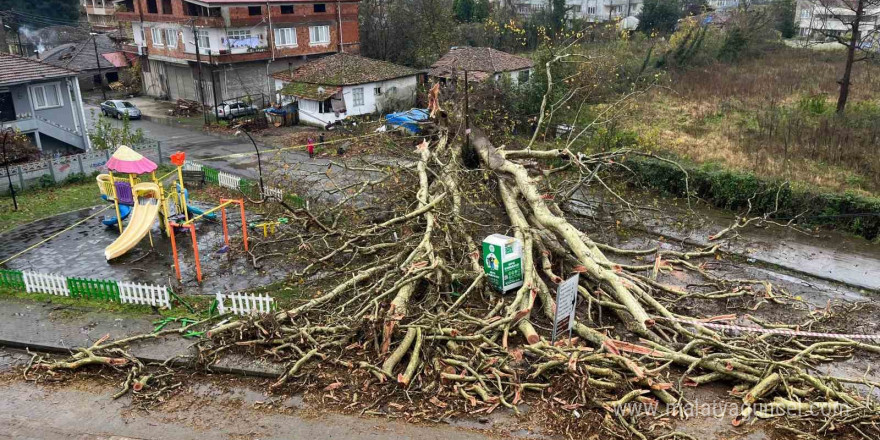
<point>850,58</point>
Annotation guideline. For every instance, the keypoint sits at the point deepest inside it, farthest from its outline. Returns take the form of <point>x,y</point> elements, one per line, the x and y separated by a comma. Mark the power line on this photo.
<point>43,19</point>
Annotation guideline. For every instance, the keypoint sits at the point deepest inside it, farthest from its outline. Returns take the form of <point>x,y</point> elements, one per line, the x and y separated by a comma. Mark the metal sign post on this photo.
<point>566,300</point>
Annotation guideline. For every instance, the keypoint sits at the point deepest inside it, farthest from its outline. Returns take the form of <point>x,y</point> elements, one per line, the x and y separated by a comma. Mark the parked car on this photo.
<point>116,108</point>
<point>235,109</point>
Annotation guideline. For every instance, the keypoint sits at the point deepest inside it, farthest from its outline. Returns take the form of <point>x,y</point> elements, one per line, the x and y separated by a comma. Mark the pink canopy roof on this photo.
<point>126,160</point>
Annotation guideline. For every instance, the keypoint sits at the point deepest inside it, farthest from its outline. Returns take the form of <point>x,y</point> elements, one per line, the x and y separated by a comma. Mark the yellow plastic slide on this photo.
<point>145,211</point>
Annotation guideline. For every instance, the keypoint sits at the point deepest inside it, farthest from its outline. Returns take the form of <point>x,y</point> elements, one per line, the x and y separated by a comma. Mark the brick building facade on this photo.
<point>240,43</point>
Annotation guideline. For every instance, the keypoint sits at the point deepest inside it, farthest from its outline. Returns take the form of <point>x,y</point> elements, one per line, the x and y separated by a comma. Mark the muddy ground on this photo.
<point>210,407</point>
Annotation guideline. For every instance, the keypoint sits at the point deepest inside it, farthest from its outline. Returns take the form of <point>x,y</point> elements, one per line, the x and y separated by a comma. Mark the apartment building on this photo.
<point>100,14</point>
<point>234,46</point>
<point>722,5</point>
<point>591,10</point>
<point>822,19</point>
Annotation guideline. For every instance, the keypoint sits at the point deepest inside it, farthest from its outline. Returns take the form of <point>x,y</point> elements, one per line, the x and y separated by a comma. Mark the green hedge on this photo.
<point>727,189</point>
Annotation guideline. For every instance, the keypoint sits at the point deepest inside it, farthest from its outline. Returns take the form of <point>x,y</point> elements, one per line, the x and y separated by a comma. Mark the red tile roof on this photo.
<point>17,70</point>
<point>478,59</point>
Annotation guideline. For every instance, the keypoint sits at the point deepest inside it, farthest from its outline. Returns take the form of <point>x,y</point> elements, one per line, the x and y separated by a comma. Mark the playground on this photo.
<point>164,237</point>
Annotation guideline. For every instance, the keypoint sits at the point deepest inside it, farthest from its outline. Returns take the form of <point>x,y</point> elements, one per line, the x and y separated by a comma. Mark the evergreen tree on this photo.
<point>481,10</point>
<point>463,10</point>
<point>659,16</point>
<point>785,23</point>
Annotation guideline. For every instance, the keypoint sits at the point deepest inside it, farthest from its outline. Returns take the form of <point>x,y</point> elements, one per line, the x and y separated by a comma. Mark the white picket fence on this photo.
<point>244,304</point>
<point>232,181</point>
<point>45,283</point>
<point>129,292</point>
<point>136,293</point>
<point>228,180</point>
<point>189,165</point>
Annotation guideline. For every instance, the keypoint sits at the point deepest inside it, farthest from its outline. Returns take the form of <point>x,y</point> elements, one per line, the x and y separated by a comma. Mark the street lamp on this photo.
<point>259,161</point>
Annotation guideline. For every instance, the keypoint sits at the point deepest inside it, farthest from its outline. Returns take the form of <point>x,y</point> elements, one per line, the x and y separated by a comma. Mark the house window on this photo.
<point>166,7</point>
<point>287,9</point>
<point>204,40</point>
<point>152,8</point>
<point>523,76</point>
<point>46,96</point>
<point>237,35</point>
<point>377,91</point>
<point>319,35</point>
<point>591,10</point>
<point>357,96</point>
<point>285,37</point>
<point>171,37</point>
<point>325,106</point>
<point>576,9</point>
<point>156,33</point>
<point>320,7</point>
<point>255,10</point>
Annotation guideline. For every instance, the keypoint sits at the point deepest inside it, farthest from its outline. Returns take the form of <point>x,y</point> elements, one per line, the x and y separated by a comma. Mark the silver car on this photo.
<point>234,109</point>
<point>116,108</point>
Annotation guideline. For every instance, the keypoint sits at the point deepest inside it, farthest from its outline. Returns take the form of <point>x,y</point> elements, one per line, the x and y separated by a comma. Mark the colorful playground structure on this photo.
<point>142,198</point>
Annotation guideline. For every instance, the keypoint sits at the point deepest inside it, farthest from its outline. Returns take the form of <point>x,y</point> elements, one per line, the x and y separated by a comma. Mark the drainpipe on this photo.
<point>339,25</point>
<point>270,35</point>
<point>270,39</point>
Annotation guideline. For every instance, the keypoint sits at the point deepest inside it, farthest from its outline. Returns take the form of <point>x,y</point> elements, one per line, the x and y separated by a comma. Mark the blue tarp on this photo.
<point>409,119</point>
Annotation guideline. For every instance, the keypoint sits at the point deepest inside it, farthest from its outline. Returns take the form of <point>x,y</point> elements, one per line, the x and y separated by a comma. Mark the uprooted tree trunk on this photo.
<point>404,300</point>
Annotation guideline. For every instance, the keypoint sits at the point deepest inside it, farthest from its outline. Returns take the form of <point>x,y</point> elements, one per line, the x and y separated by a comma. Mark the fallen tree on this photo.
<point>403,307</point>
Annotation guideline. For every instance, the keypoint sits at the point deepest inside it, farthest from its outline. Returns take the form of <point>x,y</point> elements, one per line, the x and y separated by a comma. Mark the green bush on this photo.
<point>732,190</point>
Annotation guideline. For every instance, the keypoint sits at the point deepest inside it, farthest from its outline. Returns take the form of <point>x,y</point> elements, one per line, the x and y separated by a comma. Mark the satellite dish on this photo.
<point>320,89</point>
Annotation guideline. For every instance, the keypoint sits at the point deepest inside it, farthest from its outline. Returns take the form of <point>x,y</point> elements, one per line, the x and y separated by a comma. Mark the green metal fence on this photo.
<point>249,188</point>
<point>12,279</point>
<point>94,289</point>
<point>211,175</point>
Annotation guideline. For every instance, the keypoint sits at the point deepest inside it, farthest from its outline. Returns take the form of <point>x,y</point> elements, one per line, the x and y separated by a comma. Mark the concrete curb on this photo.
<point>53,349</point>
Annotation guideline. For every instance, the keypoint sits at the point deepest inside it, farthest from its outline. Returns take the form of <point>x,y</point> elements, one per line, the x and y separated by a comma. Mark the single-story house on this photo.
<point>331,88</point>
<point>81,57</point>
<point>43,102</point>
<point>482,63</point>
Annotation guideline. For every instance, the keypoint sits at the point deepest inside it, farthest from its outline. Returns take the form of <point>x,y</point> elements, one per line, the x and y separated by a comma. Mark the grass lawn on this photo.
<point>39,203</point>
<point>773,116</point>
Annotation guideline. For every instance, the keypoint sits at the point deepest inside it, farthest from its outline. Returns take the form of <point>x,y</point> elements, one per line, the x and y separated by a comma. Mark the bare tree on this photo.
<point>853,24</point>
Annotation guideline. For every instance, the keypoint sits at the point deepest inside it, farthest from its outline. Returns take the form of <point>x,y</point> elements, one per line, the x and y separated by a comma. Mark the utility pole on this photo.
<point>98,63</point>
<point>467,118</point>
<point>4,47</point>
<point>199,62</point>
<point>8,175</point>
<point>18,36</point>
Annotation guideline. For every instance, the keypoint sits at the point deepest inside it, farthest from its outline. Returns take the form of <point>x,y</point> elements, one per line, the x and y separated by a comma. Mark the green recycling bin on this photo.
<point>502,262</point>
